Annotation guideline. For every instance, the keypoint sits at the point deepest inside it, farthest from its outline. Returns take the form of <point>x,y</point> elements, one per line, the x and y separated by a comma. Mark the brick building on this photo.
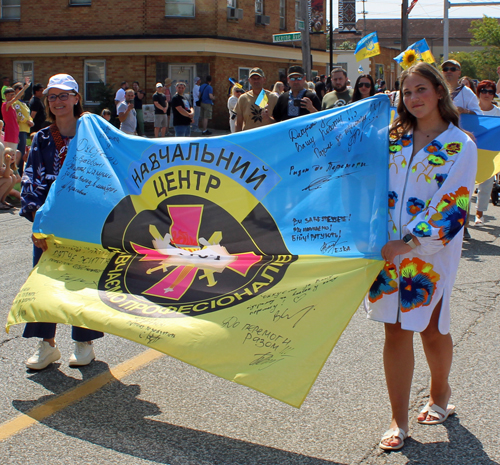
<point>149,41</point>
<point>389,33</point>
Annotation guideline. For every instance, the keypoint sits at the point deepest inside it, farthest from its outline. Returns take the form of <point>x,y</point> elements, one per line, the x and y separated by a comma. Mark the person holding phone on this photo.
<point>298,101</point>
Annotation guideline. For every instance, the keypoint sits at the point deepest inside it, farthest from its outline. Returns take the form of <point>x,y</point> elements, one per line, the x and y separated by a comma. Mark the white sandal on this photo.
<point>393,433</point>
<point>437,412</point>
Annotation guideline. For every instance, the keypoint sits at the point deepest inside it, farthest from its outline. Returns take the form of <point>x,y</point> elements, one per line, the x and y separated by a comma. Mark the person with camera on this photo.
<point>249,115</point>
<point>298,101</point>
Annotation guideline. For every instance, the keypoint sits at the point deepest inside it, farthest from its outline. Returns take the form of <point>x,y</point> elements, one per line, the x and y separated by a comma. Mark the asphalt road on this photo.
<point>168,412</point>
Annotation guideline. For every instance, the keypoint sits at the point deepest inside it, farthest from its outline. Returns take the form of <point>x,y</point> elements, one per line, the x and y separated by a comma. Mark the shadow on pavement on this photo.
<point>114,417</point>
<point>463,448</point>
<point>474,249</point>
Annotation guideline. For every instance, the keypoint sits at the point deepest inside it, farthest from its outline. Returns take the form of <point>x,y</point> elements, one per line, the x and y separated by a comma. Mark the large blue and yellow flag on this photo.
<point>245,255</point>
<point>367,47</point>
<point>486,131</point>
<point>419,51</point>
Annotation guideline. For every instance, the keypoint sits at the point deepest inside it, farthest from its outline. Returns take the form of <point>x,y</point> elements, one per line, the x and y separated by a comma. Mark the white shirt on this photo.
<point>495,111</point>
<point>120,96</point>
<point>196,93</point>
<point>468,100</point>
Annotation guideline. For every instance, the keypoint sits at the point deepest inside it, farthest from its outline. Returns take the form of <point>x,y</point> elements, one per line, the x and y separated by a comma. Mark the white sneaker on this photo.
<point>44,355</point>
<point>82,355</point>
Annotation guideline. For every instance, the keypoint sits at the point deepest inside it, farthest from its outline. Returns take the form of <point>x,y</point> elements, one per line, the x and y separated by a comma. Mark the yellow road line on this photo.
<point>38,413</point>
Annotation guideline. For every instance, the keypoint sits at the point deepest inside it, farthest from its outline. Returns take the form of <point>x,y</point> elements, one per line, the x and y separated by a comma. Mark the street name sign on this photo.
<point>290,37</point>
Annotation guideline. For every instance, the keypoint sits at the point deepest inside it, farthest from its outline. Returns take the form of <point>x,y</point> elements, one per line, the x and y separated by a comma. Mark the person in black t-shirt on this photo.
<point>320,87</point>
<point>183,112</point>
<point>161,107</point>
<point>37,109</point>
<point>139,95</point>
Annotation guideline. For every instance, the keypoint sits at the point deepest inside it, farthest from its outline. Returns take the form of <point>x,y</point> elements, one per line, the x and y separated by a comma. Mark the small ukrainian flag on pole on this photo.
<point>367,47</point>
<point>419,51</point>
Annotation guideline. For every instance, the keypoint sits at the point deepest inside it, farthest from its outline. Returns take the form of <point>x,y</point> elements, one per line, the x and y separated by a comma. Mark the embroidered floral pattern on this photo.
<point>438,156</point>
<point>407,140</point>
<point>385,283</point>
<point>451,212</point>
<point>414,206</point>
<point>434,147</point>
<point>452,148</point>
<point>393,199</point>
<point>395,150</point>
<point>440,178</point>
<point>422,229</point>
<point>417,283</point>
<point>437,159</point>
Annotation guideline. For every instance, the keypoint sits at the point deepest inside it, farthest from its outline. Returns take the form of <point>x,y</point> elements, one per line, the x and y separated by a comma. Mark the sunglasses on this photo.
<point>364,84</point>
<point>296,78</point>
<point>450,68</point>
<point>487,91</point>
<point>62,97</point>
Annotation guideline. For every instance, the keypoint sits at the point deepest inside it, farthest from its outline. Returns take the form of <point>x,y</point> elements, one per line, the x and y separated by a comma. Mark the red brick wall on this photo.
<point>56,18</point>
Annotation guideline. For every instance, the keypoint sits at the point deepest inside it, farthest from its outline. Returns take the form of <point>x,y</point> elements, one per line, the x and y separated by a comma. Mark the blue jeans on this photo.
<point>48,330</point>
<point>182,131</point>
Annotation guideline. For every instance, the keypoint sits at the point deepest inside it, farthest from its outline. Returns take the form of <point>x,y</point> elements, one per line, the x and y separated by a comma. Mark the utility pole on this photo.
<point>404,25</point>
<point>364,16</point>
<point>331,37</point>
<point>446,29</point>
<point>446,21</point>
<point>306,45</point>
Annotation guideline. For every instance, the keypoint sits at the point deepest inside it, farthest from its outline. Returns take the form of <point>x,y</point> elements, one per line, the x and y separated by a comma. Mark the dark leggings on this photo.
<point>48,330</point>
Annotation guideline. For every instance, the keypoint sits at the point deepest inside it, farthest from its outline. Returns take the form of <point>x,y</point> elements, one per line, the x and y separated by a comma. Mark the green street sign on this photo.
<point>290,37</point>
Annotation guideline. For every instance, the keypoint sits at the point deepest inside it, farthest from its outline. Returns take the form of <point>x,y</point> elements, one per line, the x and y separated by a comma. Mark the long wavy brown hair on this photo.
<point>405,122</point>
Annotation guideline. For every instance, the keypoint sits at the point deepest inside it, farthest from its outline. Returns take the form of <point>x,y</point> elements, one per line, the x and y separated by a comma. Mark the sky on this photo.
<point>378,9</point>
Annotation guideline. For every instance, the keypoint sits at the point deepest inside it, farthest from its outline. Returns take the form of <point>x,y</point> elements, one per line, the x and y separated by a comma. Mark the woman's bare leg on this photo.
<point>398,365</point>
<point>438,350</point>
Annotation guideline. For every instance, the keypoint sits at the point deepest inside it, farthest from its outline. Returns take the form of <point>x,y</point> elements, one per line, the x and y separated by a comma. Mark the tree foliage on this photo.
<point>486,32</point>
<point>482,64</point>
<point>467,63</point>
<point>346,45</point>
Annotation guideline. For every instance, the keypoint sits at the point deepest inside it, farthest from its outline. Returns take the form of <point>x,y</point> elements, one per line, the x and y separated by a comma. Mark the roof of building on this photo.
<point>389,30</point>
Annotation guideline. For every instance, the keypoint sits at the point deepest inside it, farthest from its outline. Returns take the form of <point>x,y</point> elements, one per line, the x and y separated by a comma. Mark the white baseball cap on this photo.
<point>63,82</point>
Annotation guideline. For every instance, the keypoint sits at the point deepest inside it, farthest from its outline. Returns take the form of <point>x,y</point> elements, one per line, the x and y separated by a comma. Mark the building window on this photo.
<point>282,14</point>
<point>341,65</point>
<point>232,3</point>
<point>80,2</point>
<point>23,69</point>
<point>243,77</point>
<point>259,7</point>
<point>182,8</point>
<point>10,9</point>
<point>95,76</point>
<point>298,14</point>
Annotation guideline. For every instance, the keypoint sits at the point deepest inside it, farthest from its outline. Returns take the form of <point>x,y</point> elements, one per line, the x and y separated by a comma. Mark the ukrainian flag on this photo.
<point>419,51</point>
<point>262,99</point>
<point>367,47</point>
<point>425,52</point>
<point>486,131</point>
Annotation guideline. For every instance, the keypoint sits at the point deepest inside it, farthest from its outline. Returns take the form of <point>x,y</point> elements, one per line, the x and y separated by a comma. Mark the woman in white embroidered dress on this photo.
<point>432,169</point>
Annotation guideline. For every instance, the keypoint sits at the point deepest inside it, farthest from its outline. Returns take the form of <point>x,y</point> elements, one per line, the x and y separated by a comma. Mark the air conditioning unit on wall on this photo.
<point>262,19</point>
<point>234,13</point>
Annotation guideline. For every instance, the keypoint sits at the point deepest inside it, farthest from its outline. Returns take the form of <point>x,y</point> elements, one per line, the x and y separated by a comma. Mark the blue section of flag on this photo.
<point>322,177</point>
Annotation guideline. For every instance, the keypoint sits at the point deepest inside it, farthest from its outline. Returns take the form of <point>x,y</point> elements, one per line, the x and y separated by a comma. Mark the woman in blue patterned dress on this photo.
<point>47,155</point>
<point>432,169</point>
